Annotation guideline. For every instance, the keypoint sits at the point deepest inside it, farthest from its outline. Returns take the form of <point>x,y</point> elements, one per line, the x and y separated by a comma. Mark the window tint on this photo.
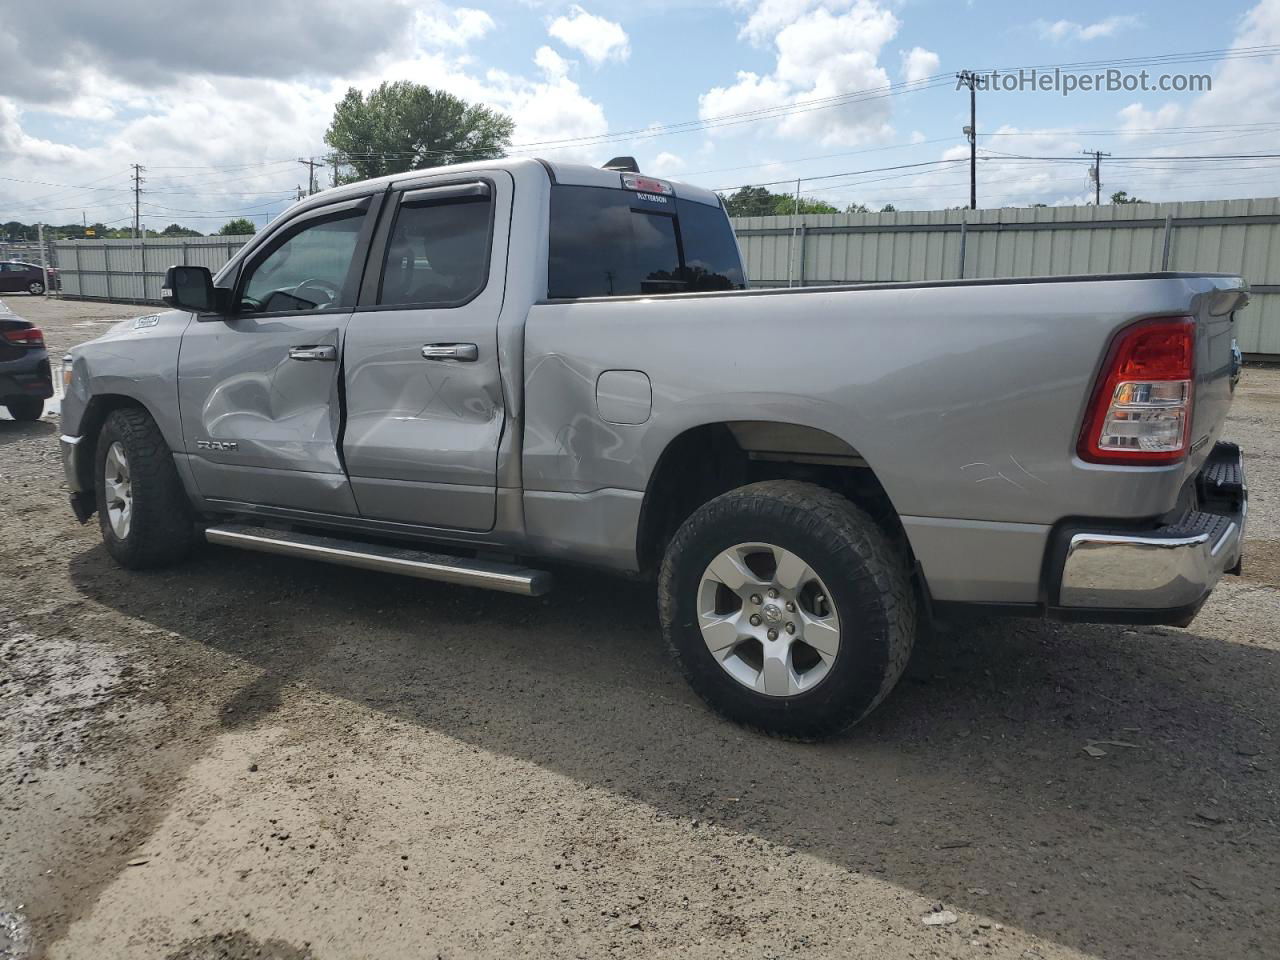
<point>606,242</point>
<point>306,272</point>
<point>711,258</point>
<point>438,252</point>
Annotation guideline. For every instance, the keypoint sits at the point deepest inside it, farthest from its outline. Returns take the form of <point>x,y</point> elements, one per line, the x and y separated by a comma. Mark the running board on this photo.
<point>486,574</point>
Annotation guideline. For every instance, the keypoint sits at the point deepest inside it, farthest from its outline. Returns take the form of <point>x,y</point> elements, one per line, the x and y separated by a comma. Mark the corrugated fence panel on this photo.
<point>1235,236</point>
<point>133,270</point>
<point>1218,236</point>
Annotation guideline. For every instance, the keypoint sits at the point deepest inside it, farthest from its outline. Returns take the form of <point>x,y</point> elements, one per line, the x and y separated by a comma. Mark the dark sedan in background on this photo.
<point>26,380</point>
<point>19,277</point>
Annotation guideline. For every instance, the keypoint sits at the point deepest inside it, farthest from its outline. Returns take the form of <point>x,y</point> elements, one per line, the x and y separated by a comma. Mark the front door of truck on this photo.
<point>425,408</point>
<point>259,387</point>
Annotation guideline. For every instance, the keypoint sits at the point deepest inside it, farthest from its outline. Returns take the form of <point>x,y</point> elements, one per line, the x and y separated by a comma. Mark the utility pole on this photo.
<point>44,262</point>
<point>333,166</point>
<point>311,165</point>
<point>1095,174</point>
<point>970,79</point>
<point>137,197</point>
<point>792,243</point>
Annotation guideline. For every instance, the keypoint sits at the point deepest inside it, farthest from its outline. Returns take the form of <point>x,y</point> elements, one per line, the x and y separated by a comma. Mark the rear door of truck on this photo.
<point>424,402</point>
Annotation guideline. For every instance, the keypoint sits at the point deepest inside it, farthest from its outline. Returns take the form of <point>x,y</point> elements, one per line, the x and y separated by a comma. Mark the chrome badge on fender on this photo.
<point>226,446</point>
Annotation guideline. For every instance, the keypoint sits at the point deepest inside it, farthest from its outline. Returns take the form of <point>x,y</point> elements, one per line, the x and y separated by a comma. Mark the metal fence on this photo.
<point>133,270</point>
<point>1228,236</point>
<point>28,251</point>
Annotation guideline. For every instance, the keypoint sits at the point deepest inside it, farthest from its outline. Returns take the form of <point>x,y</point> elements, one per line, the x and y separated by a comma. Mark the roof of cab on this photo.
<point>576,174</point>
<point>584,175</point>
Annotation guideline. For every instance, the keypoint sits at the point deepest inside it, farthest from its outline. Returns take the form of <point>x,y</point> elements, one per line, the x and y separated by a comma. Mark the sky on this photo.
<point>219,100</point>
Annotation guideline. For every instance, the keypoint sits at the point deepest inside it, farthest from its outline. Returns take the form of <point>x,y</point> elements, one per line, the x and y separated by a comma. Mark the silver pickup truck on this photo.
<point>469,373</point>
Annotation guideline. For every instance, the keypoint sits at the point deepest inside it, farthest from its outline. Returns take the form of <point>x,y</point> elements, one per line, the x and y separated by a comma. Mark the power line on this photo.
<point>852,173</point>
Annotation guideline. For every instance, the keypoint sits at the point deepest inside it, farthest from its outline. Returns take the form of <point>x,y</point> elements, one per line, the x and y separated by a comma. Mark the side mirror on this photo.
<point>189,288</point>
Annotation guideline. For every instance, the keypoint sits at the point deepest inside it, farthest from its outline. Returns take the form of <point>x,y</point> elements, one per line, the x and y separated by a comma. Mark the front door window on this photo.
<point>309,271</point>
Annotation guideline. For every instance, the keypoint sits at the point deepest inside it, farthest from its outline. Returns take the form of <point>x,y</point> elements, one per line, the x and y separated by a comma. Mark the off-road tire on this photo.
<point>161,530</point>
<point>867,574</point>
<point>28,409</point>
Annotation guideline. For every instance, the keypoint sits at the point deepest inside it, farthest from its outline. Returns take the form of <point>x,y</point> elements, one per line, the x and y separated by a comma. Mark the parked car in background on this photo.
<point>19,277</point>
<point>550,362</point>
<point>26,381</point>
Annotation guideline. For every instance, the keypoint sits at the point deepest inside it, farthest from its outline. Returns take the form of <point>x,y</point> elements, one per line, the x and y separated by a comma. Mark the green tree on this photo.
<point>237,227</point>
<point>888,208</point>
<point>759,202</point>
<point>178,230</point>
<point>1121,197</point>
<point>407,126</point>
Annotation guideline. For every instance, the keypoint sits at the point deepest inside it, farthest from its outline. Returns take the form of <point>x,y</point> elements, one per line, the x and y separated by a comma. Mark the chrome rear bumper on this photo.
<point>1168,570</point>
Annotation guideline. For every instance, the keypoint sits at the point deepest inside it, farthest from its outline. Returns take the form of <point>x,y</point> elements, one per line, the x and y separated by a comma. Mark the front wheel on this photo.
<point>787,608</point>
<point>29,409</point>
<point>143,512</point>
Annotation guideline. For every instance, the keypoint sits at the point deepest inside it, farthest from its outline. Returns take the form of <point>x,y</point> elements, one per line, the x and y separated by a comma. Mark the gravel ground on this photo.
<point>257,757</point>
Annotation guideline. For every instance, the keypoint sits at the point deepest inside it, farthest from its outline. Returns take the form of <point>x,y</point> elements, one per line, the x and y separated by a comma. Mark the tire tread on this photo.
<point>161,532</point>
<point>845,529</point>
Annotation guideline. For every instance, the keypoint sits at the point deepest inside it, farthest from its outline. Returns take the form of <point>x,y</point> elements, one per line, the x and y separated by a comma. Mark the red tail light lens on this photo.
<point>1141,409</point>
<point>26,337</point>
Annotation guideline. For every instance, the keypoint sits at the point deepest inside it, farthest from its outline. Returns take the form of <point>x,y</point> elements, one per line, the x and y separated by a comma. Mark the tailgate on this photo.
<point>1217,364</point>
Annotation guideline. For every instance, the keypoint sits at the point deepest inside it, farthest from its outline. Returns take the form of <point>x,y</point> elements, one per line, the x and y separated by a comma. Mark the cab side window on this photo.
<point>438,251</point>
<point>309,271</point>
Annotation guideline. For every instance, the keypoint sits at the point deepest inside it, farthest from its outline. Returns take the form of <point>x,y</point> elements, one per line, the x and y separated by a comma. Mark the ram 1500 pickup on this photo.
<point>474,372</point>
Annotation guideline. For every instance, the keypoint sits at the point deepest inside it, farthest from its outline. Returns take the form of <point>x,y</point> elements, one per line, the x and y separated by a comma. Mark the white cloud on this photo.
<point>437,26</point>
<point>594,37</point>
<point>199,131</point>
<point>665,164</point>
<point>919,64</point>
<point>824,49</point>
<point>550,62</point>
<point>767,17</point>
<point>1062,30</point>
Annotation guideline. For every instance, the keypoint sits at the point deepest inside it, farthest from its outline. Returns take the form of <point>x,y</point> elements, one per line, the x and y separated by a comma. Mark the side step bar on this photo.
<point>489,575</point>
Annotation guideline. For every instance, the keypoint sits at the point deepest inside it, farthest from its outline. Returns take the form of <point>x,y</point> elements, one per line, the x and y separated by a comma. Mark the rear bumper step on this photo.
<point>1126,574</point>
<point>507,578</point>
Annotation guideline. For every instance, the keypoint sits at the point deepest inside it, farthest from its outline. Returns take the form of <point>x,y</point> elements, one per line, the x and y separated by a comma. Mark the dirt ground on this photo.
<point>257,757</point>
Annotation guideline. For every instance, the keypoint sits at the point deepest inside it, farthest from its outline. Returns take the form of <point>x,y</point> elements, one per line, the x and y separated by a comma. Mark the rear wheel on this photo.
<point>25,408</point>
<point>143,512</point>
<point>788,608</point>
<point>35,288</point>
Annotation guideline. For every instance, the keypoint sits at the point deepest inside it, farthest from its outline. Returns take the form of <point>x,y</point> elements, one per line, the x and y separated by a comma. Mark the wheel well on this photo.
<point>706,461</point>
<point>95,415</point>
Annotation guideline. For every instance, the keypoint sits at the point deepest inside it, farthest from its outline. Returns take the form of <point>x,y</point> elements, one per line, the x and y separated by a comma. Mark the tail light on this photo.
<point>25,337</point>
<point>1140,413</point>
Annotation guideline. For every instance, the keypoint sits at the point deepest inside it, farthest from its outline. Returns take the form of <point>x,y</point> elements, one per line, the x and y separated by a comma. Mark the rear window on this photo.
<point>615,243</point>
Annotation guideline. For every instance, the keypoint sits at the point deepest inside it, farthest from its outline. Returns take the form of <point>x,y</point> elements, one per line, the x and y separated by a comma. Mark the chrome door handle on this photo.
<point>322,352</point>
<point>461,352</point>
